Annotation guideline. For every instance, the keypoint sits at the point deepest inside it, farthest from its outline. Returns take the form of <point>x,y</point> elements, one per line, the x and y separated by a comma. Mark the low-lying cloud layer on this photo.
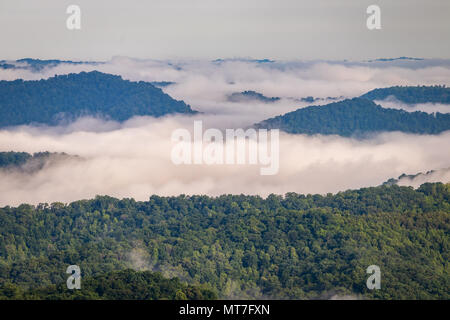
<point>206,85</point>
<point>132,159</point>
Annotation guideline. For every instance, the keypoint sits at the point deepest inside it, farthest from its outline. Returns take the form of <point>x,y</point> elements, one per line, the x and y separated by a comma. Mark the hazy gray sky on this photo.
<point>277,29</point>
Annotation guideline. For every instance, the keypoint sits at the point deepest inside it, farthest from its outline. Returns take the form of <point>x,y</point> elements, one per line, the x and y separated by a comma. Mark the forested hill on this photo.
<point>412,95</point>
<point>31,163</point>
<point>37,65</point>
<point>12,159</point>
<point>67,97</point>
<point>356,116</point>
<point>251,96</point>
<point>117,285</point>
<point>296,246</point>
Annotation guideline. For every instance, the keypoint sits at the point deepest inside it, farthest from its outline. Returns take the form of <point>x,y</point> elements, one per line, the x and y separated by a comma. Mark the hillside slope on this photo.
<point>296,246</point>
<point>356,116</point>
<point>412,95</point>
<point>67,97</point>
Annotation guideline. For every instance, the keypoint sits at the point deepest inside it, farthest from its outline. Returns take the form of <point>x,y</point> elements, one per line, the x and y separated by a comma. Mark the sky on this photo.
<point>209,29</point>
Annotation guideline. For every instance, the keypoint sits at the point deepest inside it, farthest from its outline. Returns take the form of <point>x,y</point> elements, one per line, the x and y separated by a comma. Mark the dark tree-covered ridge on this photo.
<point>354,117</point>
<point>37,65</point>
<point>14,159</point>
<point>126,284</point>
<point>249,96</point>
<point>31,163</point>
<point>66,97</point>
<point>412,95</point>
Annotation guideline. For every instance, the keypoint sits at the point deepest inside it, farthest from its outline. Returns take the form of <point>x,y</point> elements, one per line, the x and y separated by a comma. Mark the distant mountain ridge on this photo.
<point>37,65</point>
<point>396,59</point>
<point>412,95</point>
<point>248,96</point>
<point>30,163</point>
<point>66,97</point>
<point>355,117</point>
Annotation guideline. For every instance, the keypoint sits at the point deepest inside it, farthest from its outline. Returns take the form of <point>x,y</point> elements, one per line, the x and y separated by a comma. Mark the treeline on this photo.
<point>356,117</point>
<point>11,158</point>
<point>249,96</point>
<point>293,246</point>
<point>118,285</point>
<point>67,97</point>
<point>26,162</point>
<point>412,95</point>
<point>37,65</point>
